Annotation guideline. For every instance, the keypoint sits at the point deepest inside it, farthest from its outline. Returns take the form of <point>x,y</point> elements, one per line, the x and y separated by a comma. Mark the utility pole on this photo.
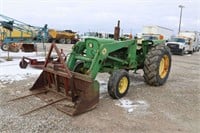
<point>180,6</point>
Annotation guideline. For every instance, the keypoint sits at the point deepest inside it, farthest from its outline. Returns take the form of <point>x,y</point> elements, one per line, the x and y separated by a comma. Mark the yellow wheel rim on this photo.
<point>164,66</point>
<point>123,84</point>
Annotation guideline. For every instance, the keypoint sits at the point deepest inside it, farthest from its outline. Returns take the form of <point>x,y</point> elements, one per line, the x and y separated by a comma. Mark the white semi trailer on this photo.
<point>157,32</point>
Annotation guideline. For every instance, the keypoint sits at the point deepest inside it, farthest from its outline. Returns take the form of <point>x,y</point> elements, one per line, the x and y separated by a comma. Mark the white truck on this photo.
<point>185,42</point>
<point>193,40</point>
<point>178,45</point>
<point>156,33</point>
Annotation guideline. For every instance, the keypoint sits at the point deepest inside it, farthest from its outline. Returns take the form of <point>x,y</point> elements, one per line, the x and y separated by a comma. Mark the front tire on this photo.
<point>118,84</point>
<point>182,52</point>
<point>190,52</point>
<point>157,65</point>
<point>79,67</point>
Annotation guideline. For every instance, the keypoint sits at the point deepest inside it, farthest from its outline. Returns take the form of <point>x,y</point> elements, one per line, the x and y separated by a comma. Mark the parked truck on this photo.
<point>16,35</point>
<point>185,42</point>
<point>193,40</point>
<point>65,36</point>
<point>178,45</point>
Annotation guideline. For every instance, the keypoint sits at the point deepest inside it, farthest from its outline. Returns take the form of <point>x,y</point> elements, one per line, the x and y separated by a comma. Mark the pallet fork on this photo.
<point>70,92</point>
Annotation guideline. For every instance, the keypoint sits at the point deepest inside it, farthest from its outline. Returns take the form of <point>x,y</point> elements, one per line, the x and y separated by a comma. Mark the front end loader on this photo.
<point>70,92</point>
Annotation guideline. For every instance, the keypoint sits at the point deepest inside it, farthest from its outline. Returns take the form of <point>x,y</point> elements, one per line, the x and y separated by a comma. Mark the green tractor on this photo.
<point>96,55</point>
<point>71,85</point>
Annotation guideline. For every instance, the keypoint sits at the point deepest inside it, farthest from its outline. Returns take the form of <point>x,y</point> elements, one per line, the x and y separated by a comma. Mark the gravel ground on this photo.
<point>171,108</point>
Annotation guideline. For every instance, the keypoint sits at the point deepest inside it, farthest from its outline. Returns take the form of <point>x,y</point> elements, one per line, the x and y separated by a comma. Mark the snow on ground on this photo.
<point>4,54</point>
<point>132,106</point>
<point>10,70</point>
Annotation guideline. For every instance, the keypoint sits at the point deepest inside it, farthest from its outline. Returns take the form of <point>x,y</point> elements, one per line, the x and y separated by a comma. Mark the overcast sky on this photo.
<point>102,15</point>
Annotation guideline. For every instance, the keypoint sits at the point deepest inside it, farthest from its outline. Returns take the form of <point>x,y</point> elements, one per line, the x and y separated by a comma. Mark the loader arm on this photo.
<point>97,54</point>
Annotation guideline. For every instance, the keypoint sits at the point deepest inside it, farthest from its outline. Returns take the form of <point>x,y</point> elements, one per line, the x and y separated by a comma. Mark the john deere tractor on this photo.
<point>74,80</point>
<point>96,55</point>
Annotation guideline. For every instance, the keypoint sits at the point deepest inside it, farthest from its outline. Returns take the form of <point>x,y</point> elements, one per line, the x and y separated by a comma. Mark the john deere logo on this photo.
<point>104,51</point>
<point>90,45</point>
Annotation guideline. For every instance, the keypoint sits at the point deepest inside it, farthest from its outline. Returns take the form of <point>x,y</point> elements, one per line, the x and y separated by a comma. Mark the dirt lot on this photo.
<point>171,108</point>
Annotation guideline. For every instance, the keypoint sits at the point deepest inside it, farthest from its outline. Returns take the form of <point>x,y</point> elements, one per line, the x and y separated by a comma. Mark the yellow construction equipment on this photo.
<point>66,36</point>
<point>16,34</point>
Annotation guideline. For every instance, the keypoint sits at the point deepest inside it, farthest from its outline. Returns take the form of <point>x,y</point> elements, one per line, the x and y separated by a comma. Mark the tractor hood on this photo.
<point>100,40</point>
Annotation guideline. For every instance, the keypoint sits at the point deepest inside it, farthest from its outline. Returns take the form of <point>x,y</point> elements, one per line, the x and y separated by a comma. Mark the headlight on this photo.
<point>181,46</point>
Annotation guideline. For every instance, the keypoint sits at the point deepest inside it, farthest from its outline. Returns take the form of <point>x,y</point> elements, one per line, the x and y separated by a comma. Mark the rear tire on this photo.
<point>157,65</point>
<point>118,84</point>
<point>62,41</point>
<point>68,41</point>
